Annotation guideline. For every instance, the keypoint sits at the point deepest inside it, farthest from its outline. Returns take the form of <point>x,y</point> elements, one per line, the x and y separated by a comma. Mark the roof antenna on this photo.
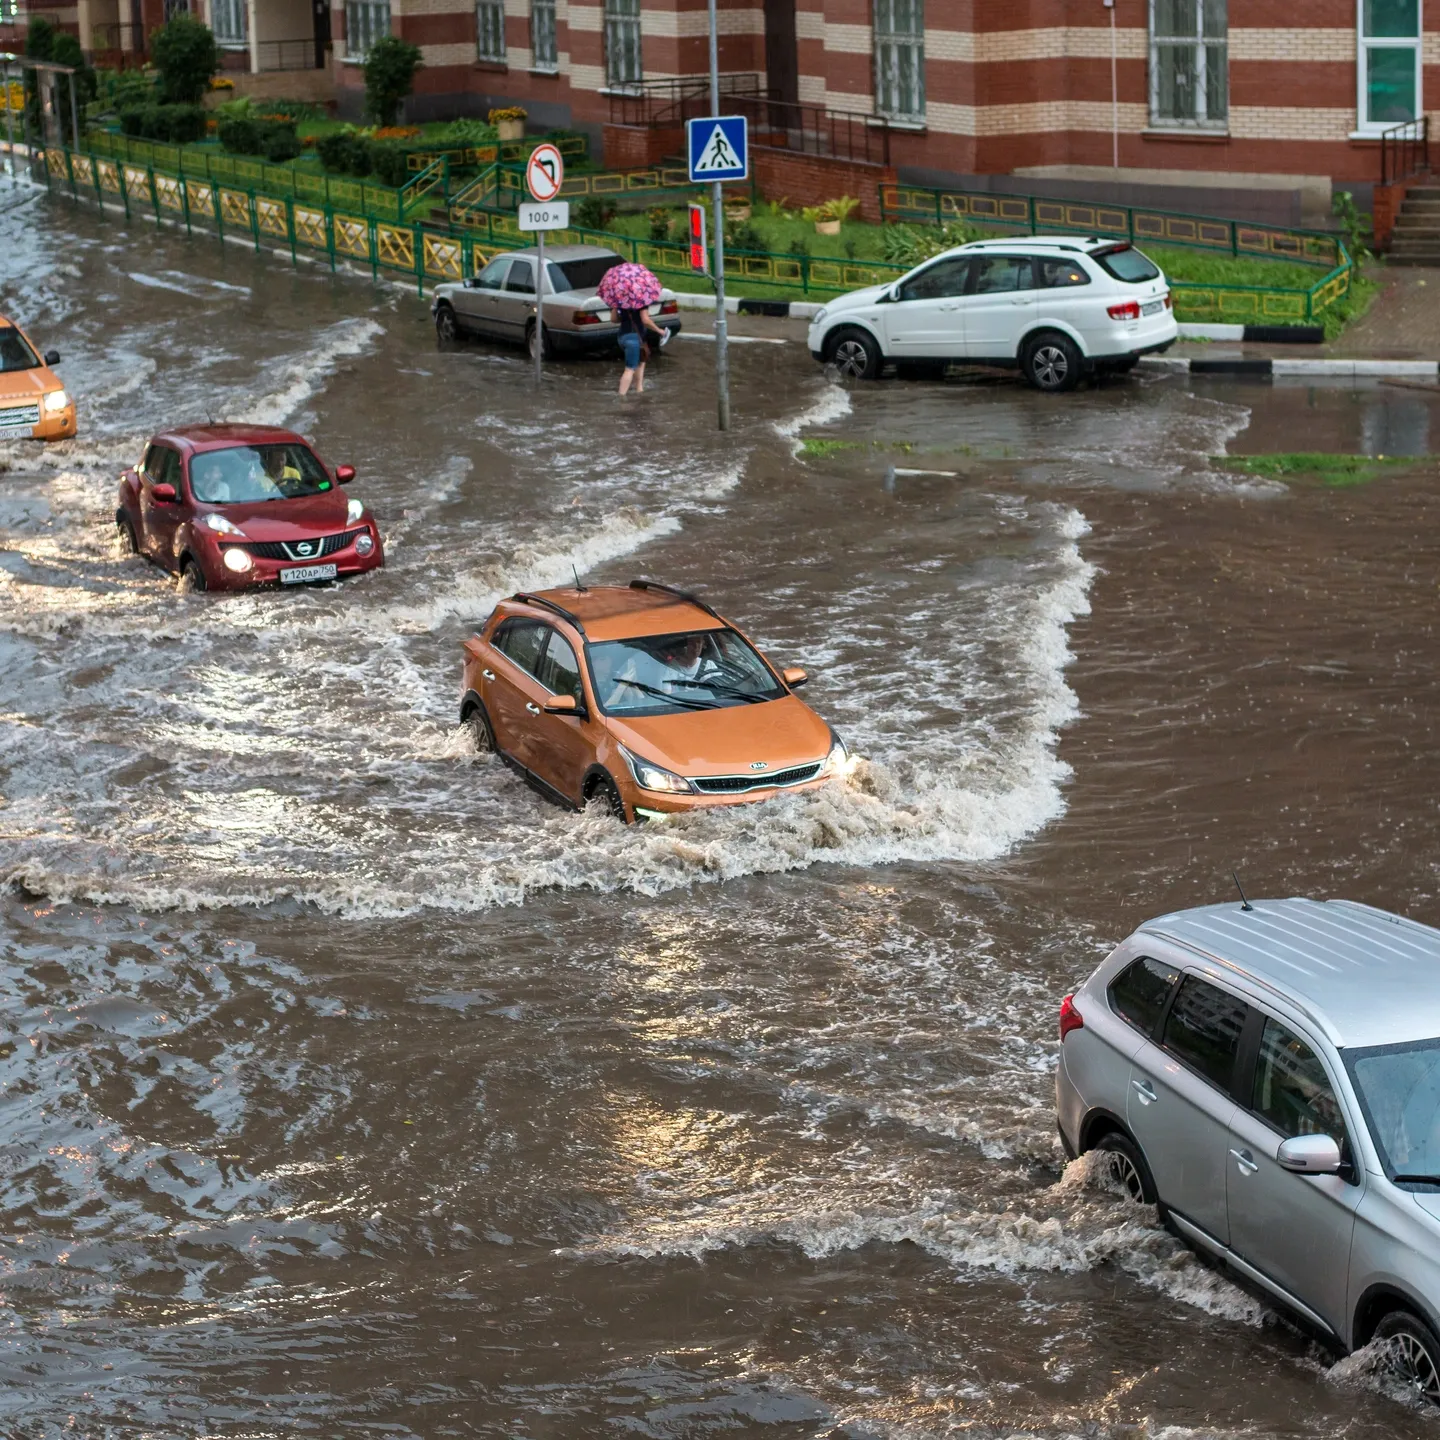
<point>579,588</point>
<point>1244,903</point>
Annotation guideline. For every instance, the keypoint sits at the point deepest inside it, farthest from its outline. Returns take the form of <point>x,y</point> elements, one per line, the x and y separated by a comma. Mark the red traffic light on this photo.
<point>697,239</point>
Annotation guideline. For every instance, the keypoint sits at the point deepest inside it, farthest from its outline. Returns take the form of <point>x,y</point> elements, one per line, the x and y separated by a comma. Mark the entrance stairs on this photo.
<point>1416,237</point>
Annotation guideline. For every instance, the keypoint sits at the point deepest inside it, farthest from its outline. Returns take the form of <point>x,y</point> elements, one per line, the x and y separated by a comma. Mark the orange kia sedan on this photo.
<point>33,402</point>
<point>640,696</point>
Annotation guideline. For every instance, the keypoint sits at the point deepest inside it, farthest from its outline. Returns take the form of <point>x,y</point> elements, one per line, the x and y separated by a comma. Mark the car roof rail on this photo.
<point>678,594</point>
<point>527,599</point>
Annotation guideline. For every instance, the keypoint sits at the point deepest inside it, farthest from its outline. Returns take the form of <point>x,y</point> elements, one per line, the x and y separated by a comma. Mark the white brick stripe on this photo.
<point>460,53</point>
<point>586,17</point>
<point>687,24</point>
<point>1290,122</point>
<point>1299,44</point>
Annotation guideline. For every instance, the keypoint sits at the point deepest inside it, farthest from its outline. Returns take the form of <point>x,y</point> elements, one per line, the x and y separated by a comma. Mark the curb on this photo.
<point>781,309</point>
<point>1257,334</point>
<point>1336,369</point>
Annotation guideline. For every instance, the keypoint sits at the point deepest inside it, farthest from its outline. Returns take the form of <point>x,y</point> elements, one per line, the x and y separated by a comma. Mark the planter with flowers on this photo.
<point>829,217</point>
<point>509,122</point>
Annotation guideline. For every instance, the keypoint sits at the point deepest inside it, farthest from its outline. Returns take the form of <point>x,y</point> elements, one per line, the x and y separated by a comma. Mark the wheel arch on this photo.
<point>1058,327</point>
<point>1378,1301</point>
<point>847,322</point>
<point>594,774</point>
<point>470,701</point>
<point>1101,1122</point>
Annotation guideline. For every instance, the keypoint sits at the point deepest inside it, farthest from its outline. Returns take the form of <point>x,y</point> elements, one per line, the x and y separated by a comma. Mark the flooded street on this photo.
<point>351,1089</point>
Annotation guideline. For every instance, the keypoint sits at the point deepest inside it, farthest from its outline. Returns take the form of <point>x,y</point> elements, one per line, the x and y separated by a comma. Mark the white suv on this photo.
<point>1057,307</point>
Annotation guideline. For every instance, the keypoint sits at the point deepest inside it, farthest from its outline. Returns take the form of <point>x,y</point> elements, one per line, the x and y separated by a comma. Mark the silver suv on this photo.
<point>1268,1075</point>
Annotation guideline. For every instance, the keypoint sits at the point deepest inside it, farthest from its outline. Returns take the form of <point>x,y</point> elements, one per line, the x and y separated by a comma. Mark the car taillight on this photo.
<point>670,307</point>
<point>1169,303</point>
<point>1126,310</point>
<point>586,317</point>
<point>1070,1017</point>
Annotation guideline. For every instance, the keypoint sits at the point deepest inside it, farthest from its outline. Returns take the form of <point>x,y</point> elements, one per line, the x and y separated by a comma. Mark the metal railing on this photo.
<point>814,130</point>
<point>112,43</point>
<point>677,99</point>
<point>1405,151</point>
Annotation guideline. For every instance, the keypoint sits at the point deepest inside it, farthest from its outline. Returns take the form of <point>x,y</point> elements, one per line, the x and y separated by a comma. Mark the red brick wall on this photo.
<point>813,179</point>
<point>634,147</point>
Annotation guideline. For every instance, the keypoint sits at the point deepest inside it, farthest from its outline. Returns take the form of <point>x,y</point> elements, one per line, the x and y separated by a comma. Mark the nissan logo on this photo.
<point>759,764</point>
<point>304,548</point>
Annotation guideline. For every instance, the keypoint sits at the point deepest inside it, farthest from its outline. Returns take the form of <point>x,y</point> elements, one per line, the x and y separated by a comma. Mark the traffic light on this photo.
<point>698,259</point>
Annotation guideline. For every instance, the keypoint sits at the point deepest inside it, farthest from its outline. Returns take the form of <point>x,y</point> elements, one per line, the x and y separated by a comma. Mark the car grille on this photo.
<point>285,549</point>
<point>733,784</point>
<point>19,417</point>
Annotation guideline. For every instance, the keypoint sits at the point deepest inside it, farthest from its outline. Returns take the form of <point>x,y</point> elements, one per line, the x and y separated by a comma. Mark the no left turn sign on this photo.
<point>545,172</point>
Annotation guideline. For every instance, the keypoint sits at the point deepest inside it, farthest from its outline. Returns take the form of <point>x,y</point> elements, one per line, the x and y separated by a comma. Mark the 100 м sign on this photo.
<point>543,215</point>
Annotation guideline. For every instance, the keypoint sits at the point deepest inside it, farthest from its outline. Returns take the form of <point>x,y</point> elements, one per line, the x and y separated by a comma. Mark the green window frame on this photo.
<point>1391,68</point>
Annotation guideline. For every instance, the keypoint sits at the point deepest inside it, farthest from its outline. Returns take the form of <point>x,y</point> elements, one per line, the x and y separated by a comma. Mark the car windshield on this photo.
<point>15,353</point>
<point>1127,264</point>
<point>665,674</point>
<point>584,274</point>
<point>243,474</point>
<point>1399,1087</point>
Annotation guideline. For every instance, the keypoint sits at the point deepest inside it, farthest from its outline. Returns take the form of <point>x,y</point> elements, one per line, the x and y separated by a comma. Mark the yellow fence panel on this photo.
<point>352,237</point>
<point>310,227</point>
<point>395,247</point>
<point>270,216</point>
<point>202,198</point>
<point>136,179</point>
<point>168,192</point>
<point>84,169</point>
<point>109,175</point>
<point>235,207</point>
<point>443,257</point>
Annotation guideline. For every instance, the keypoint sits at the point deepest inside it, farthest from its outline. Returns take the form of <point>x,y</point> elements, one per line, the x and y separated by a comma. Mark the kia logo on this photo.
<point>759,764</point>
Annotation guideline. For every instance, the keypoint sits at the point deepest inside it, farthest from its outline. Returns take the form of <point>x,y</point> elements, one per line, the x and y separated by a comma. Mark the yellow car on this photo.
<point>33,402</point>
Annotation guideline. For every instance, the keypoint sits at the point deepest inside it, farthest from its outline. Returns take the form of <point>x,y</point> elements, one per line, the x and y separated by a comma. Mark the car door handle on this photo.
<point>488,674</point>
<point>1145,1090</point>
<point>532,707</point>
<point>1245,1161</point>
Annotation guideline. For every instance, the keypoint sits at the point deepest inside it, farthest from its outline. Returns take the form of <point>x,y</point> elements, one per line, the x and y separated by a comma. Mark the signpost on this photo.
<point>698,259</point>
<point>544,175</point>
<point>718,150</point>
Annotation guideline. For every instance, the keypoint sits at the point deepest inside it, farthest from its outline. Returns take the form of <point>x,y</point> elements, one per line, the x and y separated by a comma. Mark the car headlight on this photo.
<point>56,400</point>
<point>354,510</point>
<point>656,777</point>
<point>839,756</point>
<point>238,560</point>
<point>820,314</point>
<point>364,544</point>
<point>220,525</point>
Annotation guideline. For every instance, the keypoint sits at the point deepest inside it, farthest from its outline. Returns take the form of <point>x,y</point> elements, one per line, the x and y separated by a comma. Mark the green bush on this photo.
<point>390,161</point>
<point>279,141</point>
<point>345,153</point>
<point>173,124</point>
<point>186,56</point>
<point>238,134</point>
<point>241,132</point>
<point>592,213</point>
<point>125,89</point>
<point>389,77</point>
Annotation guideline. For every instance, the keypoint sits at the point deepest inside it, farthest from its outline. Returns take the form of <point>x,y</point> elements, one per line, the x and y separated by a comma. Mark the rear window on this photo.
<point>1127,264</point>
<point>1140,991</point>
<point>585,274</point>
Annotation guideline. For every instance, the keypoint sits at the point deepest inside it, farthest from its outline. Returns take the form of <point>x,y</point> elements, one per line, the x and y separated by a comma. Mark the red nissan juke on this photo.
<point>229,507</point>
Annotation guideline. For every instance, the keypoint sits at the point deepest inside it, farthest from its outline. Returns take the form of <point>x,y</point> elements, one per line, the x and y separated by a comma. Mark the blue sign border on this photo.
<point>697,136</point>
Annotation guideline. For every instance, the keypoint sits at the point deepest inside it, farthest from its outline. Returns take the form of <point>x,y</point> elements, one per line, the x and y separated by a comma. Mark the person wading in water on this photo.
<point>633,324</point>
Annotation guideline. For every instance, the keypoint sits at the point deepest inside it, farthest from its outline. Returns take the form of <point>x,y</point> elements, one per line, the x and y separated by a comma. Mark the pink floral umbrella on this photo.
<point>628,286</point>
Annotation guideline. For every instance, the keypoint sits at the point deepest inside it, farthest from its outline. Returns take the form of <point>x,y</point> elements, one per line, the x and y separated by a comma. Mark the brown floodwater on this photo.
<point>348,1089</point>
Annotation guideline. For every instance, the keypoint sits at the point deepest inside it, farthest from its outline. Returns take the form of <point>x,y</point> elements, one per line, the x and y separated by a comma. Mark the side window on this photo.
<point>522,277</point>
<point>1059,274</point>
<point>559,672</point>
<point>1203,1029</point>
<point>997,274</point>
<point>942,279</point>
<point>492,277</point>
<point>1292,1090</point>
<point>149,459</point>
<point>522,641</point>
<point>1139,992</point>
<point>162,465</point>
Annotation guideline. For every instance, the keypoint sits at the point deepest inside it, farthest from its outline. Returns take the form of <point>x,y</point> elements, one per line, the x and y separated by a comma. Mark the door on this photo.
<point>158,520</point>
<point>509,696</point>
<point>559,750</point>
<point>999,308</point>
<point>782,58</point>
<point>1294,1228</point>
<point>516,303</point>
<point>1066,295</point>
<point>320,13</point>
<point>923,321</point>
<point>1180,1107</point>
<point>477,302</point>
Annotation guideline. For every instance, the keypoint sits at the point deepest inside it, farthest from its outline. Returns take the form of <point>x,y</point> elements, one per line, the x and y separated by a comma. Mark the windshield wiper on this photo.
<point>748,696</point>
<point>1417,1179</point>
<point>666,696</point>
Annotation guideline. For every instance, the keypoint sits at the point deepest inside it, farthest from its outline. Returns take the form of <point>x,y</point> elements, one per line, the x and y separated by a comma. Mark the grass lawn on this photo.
<point>1335,472</point>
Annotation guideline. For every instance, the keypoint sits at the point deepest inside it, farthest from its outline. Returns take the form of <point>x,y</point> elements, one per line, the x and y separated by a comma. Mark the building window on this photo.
<point>490,30</point>
<point>230,20</point>
<point>366,21</point>
<point>1389,62</point>
<point>622,44</point>
<point>900,59</point>
<point>1189,64</point>
<point>544,52</point>
<point>176,7</point>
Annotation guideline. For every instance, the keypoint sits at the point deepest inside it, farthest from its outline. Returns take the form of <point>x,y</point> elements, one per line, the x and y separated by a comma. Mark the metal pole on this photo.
<point>1114,91</point>
<point>717,206</point>
<point>10,121</point>
<point>540,306</point>
<point>74,112</point>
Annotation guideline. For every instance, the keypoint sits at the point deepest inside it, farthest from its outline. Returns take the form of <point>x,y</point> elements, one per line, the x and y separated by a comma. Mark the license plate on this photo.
<point>1152,307</point>
<point>299,574</point>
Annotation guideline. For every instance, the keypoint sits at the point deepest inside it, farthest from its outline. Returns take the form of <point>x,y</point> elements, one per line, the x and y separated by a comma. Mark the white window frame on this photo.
<point>227,10</point>
<point>622,27</point>
<point>360,37</point>
<point>542,27</point>
<point>1363,45</point>
<point>1209,124</point>
<point>895,50</point>
<point>490,32</point>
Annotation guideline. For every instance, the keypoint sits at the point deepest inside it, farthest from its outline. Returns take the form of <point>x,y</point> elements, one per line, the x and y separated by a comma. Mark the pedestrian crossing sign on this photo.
<point>719,148</point>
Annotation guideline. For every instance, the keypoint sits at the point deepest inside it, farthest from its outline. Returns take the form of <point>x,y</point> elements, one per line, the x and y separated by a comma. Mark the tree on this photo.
<point>186,56</point>
<point>39,45</point>
<point>389,77</point>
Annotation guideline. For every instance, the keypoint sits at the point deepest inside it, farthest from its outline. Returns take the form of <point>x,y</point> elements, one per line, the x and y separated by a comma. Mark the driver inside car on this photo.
<point>670,664</point>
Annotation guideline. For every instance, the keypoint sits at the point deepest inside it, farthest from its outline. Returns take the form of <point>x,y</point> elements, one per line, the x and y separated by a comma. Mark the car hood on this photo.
<point>1428,1201</point>
<point>305,515</point>
<point>858,299</point>
<point>26,384</point>
<point>776,734</point>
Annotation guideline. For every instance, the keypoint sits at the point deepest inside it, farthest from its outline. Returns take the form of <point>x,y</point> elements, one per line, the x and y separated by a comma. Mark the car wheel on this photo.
<point>604,789</point>
<point>478,723</point>
<point>125,533</point>
<point>531,331</point>
<point>1052,362</point>
<point>1121,1166</point>
<point>1412,1353</point>
<point>855,354</point>
<point>192,577</point>
<point>447,327</point>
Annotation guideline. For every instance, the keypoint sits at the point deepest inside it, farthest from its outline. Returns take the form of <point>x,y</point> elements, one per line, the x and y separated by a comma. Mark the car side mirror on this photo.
<point>794,677</point>
<point>164,493</point>
<point>52,357</point>
<point>562,705</point>
<point>1309,1155</point>
<point>344,473</point>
